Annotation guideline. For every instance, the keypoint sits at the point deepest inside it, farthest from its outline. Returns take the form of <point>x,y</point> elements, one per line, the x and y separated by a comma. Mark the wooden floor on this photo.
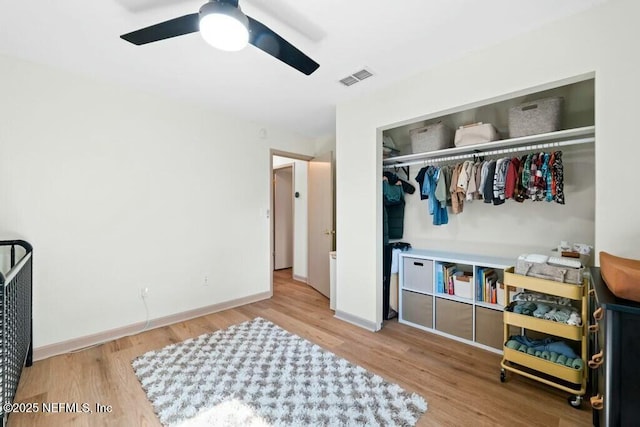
<point>459,382</point>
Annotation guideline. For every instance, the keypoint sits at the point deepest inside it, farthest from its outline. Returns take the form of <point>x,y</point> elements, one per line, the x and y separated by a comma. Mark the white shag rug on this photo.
<point>257,374</point>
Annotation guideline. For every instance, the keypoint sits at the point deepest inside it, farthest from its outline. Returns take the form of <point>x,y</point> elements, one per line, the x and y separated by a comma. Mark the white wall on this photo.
<point>119,190</point>
<point>300,220</point>
<point>602,40</point>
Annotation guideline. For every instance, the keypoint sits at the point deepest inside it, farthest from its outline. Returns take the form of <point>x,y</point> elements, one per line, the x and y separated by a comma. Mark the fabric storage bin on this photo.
<point>476,133</point>
<point>430,138</point>
<point>417,274</point>
<point>455,318</point>
<point>489,327</point>
<point>532,118</point>
<point>417,308</point>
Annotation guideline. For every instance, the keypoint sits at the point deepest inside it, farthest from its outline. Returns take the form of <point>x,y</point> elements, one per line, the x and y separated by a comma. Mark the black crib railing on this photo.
<point>16,338</point>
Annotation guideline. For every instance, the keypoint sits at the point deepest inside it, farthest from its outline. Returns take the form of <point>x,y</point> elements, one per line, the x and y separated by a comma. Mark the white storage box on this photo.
<point>476,133</point>
<point>532,118</point>
<point>430,138</point>
<point>462,286</point>
<point>417,274</point>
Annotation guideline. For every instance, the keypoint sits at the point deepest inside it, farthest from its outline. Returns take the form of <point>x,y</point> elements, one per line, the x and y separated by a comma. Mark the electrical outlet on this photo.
<point>144,292</point>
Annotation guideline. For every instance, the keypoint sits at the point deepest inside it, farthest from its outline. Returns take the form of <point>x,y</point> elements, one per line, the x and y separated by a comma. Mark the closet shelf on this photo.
<point>575,136</point>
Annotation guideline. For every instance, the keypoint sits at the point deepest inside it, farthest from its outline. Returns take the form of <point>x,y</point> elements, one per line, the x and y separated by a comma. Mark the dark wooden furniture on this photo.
<point>615,356</point>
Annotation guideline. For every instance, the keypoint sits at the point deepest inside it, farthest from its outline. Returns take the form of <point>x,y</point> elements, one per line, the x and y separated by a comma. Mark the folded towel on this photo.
<point>546,355</point>
<point>554,356</point>
<point>524,307</point>
<point>538,353</point>
<point>561,347</point>
<point>531,351</point>
<point>574,319</point>
<point>561,359</point>
<point>541,310</point>
<point>529,308</point>
<point>523,348</point>
<point>569,362</point>
<point>577,364</point>
<point>549,315</point>
<point>561,316</point>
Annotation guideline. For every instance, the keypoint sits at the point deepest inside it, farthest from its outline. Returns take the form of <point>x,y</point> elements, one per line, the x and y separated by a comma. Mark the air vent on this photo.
<point>356,77</point>
<point>348,81</point>
<point>362,74</point>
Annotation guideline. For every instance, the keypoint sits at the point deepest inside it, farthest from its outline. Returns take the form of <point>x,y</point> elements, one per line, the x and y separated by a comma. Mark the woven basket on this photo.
<point>532,118</point>
<point>430,138</point>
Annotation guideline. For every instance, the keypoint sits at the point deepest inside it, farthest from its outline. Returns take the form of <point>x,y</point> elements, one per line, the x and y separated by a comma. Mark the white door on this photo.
<point>321,228</point>
<point>283,218</point>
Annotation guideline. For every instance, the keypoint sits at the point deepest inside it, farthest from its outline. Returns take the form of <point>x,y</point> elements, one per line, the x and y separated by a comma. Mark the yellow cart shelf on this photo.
<point>547,372</point>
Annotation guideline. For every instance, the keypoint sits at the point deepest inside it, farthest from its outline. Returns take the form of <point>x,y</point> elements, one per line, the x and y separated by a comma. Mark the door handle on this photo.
<point>329,232</point>
<point>596,360</point>
<point>597,402</point>
<point>598,313</point>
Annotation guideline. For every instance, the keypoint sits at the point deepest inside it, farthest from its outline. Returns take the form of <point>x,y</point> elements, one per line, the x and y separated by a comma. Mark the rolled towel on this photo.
<point>574,319</point>
<point>529,308</point>
<point>541,310</point>
<point>512,344</point>
<point>561,359</point>
<point>546,355</point>
<point>538,353</point>
<point>577,364</point>
<point>531,351</point>
<point>550,314</point>
<point>569,362</point>
<point>561,316</point>
<point>553,356</point>
<point>523,348</point>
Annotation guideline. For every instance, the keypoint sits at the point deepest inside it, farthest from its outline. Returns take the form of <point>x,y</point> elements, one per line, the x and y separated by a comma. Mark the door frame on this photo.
<point>281,153</point>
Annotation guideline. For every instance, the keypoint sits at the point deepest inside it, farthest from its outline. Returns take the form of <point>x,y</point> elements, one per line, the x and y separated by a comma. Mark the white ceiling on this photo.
<point>393,39</point>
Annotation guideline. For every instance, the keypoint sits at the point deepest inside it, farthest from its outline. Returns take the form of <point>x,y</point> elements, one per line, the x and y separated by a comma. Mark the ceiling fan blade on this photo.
<point>174,27</point>
<point>267,40</point>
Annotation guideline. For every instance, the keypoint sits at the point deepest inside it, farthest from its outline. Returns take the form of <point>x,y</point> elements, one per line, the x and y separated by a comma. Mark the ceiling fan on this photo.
<point>223,25</point>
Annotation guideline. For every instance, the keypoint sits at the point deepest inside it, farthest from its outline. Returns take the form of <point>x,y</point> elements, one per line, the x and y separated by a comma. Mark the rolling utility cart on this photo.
<point>557,375</point>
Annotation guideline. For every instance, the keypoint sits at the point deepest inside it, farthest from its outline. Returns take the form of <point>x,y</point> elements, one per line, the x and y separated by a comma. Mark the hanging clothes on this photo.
<point>487,189</point>
<point>464,178</point>
<point>439,213</point>
<point>420,180</point>
<point>477,195</point>
<point>558,173</point>
<point>499,180</point>
<point>393,179</point>
<point>393,211</point>
<point>472,186</point>
<point>511,183</point>
<point>520,192</point>
<point>457,197</point>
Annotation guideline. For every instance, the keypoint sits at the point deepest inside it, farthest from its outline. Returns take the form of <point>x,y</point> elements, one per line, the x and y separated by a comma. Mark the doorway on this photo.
<point>283,217</point>
<point>313,185</point>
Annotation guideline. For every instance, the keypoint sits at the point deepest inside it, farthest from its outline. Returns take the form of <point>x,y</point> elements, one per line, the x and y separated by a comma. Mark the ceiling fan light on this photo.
<point>224,26</point>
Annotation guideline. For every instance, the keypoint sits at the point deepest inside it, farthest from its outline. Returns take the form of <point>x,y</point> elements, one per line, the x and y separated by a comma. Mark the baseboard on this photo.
<point>358,321</point>
<point>300,278</point>
<point>50,350</point>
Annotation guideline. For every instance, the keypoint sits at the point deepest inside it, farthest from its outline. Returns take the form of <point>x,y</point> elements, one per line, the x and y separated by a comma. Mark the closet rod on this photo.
<point>533,147</point>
